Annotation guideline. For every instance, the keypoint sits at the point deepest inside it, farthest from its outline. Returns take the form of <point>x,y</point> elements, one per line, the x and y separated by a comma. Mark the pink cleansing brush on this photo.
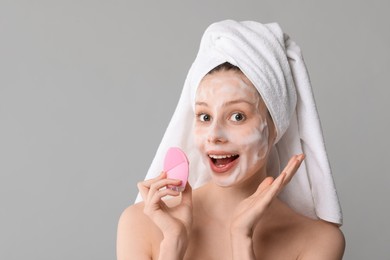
<point>176,165</point>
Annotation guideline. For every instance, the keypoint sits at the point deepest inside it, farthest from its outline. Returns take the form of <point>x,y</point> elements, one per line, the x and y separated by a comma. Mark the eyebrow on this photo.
<point>228,103</point>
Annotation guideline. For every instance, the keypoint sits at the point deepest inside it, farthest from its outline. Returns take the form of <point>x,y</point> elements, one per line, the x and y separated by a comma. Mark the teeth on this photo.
<point>221,156</point>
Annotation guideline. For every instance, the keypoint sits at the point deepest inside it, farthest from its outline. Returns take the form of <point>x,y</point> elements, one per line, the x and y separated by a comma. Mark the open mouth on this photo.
<point>222,162</point>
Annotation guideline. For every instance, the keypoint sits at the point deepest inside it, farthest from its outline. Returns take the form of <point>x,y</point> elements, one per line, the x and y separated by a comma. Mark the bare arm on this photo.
<point>327,244</point>
<point>132,229</point>
<point>135,228</point>
<point>250,210</point>
<point>172,248</point>
<point>133,237</point>
<point>242,247</point>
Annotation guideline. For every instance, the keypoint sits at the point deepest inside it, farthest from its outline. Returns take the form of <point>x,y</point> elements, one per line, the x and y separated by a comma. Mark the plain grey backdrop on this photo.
<point>87,89</point>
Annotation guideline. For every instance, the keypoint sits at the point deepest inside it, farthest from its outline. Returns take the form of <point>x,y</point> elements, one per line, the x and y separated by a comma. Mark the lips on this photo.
<point>221,163</point>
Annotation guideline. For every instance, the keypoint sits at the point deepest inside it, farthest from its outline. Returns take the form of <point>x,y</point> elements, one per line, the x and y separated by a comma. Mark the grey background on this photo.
<point>88,87</point>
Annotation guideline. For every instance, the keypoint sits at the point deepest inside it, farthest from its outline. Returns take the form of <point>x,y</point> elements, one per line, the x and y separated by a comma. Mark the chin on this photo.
<point>228,179</point>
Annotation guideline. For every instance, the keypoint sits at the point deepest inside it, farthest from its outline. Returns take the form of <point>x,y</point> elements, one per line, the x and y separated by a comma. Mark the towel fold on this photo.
<point>275,66</point>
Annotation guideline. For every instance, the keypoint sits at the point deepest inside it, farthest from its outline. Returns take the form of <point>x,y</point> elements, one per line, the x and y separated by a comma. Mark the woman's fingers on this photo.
<point>264,185</point>
<point>253,208</point>
<point>292,167</point>
<point>159,194</point>
<point>149,187</point>
<point>154,190</point>
<point>155,202</point>
<point>144,186</point>
<point>159,184</point>
<point>269,188</point>
<point>187,195</point>
<point>273,189</point>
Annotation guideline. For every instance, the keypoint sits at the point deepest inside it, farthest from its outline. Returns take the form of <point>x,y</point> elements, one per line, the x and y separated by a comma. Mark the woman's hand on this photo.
<point>249,211</point>
<point>174,222</point>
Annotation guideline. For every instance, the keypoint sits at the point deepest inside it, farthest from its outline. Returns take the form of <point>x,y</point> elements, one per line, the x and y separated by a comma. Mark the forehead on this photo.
<point>227,85</point>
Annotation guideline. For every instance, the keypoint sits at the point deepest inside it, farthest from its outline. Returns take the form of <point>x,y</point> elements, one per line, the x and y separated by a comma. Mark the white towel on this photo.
<point>275,66</point>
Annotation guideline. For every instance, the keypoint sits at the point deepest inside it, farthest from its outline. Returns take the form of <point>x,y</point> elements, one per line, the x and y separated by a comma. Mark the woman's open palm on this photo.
<point>250,210</point>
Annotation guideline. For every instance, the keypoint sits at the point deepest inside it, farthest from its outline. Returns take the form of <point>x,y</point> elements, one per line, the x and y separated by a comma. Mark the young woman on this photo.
<point>238,137</point>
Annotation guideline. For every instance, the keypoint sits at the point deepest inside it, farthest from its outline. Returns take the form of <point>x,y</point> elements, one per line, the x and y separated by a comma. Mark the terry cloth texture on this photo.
<point>275,66</point>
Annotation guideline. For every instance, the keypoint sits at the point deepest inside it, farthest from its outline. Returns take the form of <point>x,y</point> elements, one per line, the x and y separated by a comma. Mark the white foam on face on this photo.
<point>253,148</point>
<point>249,139</point>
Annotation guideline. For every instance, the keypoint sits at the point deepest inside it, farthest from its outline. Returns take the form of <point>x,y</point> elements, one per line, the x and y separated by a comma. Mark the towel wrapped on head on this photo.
<point>275,66</point>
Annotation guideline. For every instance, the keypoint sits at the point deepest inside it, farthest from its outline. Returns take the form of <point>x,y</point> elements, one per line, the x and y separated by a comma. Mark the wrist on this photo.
<point>242,247</point>
<point>173,247</point>
<point>241,232</point>
<point>241,238</point>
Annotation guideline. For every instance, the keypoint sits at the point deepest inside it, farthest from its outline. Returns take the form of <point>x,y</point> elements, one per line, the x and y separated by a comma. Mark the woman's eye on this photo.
<point>237,117</point>
<point>204,117</point>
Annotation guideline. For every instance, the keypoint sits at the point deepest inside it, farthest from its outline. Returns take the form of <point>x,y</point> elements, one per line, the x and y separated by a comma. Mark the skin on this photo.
<point>217,130</point>
<point>237,215</point>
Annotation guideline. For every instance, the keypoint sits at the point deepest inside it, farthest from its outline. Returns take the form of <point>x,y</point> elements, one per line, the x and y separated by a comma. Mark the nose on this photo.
<point>216,134</point>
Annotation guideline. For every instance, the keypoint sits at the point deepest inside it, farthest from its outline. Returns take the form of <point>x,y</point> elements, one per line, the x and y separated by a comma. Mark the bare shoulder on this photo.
<point>324,241</point>
<point>133,235</point>
<point>301,237</point>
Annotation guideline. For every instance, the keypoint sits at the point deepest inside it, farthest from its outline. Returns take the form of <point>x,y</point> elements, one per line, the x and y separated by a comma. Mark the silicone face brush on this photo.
<point>176,165</point>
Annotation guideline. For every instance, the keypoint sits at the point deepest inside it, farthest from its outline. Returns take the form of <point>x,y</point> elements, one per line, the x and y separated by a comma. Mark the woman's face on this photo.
<point>231,129</point>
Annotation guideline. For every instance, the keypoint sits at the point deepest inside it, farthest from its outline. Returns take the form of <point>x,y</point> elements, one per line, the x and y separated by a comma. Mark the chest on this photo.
<point>212,241</point>
<point>209,241</point>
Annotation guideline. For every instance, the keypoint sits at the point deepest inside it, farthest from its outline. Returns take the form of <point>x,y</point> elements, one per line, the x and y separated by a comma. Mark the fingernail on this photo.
<point>301,157</point>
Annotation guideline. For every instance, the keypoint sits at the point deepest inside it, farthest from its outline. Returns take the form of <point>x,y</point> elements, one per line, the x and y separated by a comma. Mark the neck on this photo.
<point>221,201</point>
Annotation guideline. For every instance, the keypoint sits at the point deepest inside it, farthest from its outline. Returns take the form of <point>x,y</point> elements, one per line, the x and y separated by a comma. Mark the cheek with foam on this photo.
<point>254,147</point>
<point>256,140</point>
<point>259,142</point>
